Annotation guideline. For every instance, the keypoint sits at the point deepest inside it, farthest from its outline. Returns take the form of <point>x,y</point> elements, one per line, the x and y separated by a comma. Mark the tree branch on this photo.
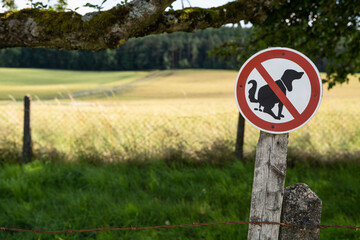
<point>109,29</point>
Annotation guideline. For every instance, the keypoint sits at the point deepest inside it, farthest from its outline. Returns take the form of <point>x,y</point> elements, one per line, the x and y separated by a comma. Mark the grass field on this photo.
<point>169,136</point>
<point>117,116</point>
<point>53,196</point>
<point>50,84</point>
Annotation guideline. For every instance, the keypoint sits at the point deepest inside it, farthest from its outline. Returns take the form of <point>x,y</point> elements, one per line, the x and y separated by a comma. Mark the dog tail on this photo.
<point>252,91</point>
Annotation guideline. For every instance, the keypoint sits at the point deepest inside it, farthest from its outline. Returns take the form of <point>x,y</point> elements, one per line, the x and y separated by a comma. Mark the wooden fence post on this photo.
<point>301,206</point>
<point>239,145</point>
<point>27,142</point>
<point>268,185</point>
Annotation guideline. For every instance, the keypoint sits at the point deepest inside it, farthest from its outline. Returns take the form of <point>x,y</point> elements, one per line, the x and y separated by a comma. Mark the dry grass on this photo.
<point>174,114</point>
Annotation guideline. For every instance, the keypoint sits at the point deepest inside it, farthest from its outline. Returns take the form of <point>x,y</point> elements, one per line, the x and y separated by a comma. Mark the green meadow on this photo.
<point>122,149</point>
<point>62,196</point>
<point>50,84</point>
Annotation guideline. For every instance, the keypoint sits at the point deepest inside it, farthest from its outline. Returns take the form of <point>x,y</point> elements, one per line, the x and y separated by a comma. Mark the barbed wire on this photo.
<point>195,224</point>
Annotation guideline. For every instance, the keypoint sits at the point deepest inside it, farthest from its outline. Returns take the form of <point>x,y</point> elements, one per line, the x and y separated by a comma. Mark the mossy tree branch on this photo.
<point>108,29</point>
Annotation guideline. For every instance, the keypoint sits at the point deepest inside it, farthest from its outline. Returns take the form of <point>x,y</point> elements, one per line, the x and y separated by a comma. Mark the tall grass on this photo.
<point>163,130</point>
<point>119,133</point>
<point>171,115</point>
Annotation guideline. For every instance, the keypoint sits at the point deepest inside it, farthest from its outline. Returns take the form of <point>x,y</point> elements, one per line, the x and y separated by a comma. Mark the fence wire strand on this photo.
<point>195,224</point>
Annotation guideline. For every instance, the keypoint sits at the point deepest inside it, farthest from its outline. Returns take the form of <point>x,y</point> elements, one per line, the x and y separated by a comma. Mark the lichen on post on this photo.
<point>302,207</point>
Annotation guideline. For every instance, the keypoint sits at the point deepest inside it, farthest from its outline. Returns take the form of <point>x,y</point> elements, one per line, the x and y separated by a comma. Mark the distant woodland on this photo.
<point>166,51</point>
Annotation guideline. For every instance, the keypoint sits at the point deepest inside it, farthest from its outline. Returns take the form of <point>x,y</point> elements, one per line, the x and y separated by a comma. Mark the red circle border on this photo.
<point>282,53</point>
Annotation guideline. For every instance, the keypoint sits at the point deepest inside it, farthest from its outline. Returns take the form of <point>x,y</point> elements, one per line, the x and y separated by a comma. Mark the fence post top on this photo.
<point>27,97</point>
<point>300,192</point>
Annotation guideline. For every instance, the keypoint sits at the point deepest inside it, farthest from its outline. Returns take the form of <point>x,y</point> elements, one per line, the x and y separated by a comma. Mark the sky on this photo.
<point>72,4</point>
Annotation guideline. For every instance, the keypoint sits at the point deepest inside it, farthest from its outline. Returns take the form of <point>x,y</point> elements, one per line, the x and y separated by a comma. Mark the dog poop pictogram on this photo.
<point>266,96</point>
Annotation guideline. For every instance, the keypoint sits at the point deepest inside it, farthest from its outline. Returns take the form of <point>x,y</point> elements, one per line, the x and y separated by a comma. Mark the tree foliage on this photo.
<point>324,30</point>
<point>10,4</point>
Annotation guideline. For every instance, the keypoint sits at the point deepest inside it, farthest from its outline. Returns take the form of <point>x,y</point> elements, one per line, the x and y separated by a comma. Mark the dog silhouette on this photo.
<point>267,98</point>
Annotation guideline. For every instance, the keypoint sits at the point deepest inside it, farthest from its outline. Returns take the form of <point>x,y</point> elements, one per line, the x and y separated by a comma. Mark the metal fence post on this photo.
<point>301,206</point>
<point>27,142</point>
<point>268,185</point>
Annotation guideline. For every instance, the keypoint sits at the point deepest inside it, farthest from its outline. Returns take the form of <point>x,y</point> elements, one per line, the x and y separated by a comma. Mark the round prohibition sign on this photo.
<point>277,91</point>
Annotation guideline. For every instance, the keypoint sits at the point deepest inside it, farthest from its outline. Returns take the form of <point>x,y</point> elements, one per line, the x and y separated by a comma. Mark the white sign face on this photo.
<point>278,90</point>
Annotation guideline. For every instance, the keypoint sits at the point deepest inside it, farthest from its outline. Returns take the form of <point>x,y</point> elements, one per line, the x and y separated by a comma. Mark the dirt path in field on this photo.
<point>112,91</point>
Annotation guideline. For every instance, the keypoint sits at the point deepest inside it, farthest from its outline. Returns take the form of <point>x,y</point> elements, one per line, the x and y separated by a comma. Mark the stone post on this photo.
<point>301,206</point>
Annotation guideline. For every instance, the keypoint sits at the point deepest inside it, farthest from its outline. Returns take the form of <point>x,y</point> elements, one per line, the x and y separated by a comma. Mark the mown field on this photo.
<point>50,84</point>
<point>120,149</point>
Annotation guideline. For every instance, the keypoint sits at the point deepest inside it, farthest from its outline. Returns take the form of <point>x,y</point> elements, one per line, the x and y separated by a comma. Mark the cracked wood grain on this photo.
<point>268,185</point>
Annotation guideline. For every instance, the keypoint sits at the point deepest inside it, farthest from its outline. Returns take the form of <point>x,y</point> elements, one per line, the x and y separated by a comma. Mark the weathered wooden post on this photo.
<point>239,145</point>
<point>278,90</point>
<point>268,185</point>
<point>27,142</point>
<point>302,207</point>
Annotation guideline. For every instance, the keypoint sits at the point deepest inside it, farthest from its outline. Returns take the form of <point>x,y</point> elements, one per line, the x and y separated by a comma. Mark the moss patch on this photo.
<point>68,30</point>
<point>53,22</point>
<point>108,18</point>
<point>60,23</point>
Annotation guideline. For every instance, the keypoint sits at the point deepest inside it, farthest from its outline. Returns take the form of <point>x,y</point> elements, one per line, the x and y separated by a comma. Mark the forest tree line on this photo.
<point>165,51</point>
<point>177,50</point>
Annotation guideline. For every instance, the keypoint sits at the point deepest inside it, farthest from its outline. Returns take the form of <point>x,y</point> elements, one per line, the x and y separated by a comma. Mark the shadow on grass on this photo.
<point>218,153</point>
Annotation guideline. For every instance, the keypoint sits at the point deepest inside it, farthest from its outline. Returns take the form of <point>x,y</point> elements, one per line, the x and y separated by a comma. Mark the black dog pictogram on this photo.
<point>267,98</point>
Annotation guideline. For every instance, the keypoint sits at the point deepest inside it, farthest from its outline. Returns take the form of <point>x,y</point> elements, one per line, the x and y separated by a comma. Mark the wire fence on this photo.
<point>116,131</point>
<point>136,228</point>
<point>139,130</point>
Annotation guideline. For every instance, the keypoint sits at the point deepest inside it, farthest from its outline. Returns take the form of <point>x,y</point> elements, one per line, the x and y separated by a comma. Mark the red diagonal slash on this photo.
<point>282,97</point>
